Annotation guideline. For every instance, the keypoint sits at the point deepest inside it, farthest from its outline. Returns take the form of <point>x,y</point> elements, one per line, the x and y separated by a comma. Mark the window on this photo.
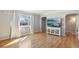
<point>24,20</point>
<point>24,24</point>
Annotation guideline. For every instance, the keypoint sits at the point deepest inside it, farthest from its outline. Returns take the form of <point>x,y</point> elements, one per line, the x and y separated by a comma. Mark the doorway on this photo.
<point>71,27</point>
<point>43,26</point>
<point>71,23</point>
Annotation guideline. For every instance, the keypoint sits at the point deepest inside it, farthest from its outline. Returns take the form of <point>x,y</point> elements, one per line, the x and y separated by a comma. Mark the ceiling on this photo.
<point>44,12</point>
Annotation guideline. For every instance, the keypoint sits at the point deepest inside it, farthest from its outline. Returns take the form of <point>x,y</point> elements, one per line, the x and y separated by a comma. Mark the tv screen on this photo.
<point>57,25</point>
<point>54,25</point>
<point>54,19</point>
<point>54,22</point>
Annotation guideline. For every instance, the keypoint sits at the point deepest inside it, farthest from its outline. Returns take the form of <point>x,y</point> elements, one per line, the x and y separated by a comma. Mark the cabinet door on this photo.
<point>57,31</point>
<point>24,30</point>
<point>52,31</point>
<point>48,30</point>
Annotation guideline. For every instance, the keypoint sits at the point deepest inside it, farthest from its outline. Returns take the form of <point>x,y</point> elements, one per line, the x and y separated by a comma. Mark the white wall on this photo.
<point>37,23</point>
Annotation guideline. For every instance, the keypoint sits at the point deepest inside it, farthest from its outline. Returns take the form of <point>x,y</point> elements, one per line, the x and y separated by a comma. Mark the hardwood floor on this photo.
<point>41,40</point>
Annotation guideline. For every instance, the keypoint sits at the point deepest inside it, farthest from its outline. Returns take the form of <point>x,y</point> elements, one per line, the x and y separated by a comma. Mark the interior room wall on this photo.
<point>71,23</point>
<point>37,24</point>
<point>10,18</point>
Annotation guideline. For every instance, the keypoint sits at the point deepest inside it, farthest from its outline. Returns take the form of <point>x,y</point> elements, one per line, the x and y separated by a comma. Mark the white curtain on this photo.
<point>5,23</point>
<point>77,26</point>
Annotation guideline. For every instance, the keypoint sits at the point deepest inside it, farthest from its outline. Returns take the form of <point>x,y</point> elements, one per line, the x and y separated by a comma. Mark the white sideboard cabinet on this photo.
<point>54,30</point>
<point>54,26</point>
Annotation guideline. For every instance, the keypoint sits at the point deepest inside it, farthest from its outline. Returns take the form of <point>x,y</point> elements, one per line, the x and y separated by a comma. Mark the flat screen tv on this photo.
<point>54,25</point>
<point>24,20</point>
<point>54,22</point>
